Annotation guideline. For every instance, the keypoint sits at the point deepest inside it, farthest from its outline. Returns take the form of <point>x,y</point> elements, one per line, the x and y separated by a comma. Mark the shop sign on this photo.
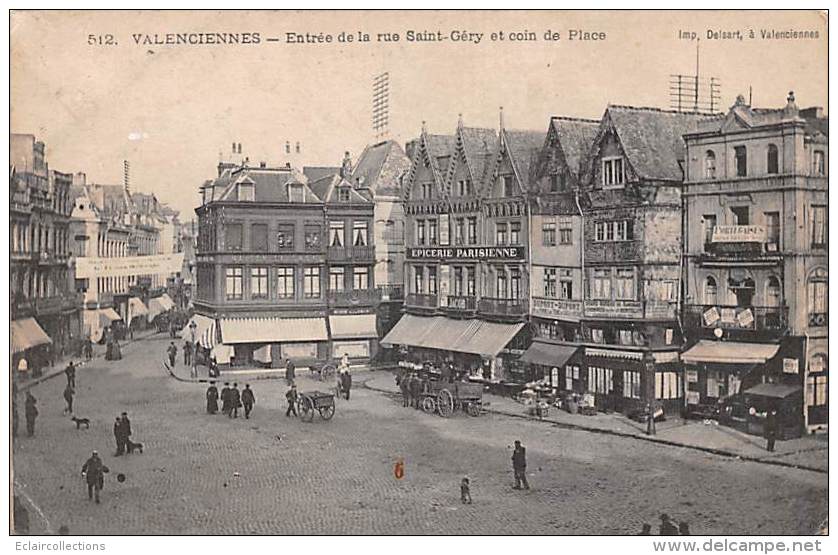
<point>711,316</point>
<point>745,318</point>
<point>738,234</point>
<point>790,366</point>
<point>467,253</point>
<point>693,397</point>
<point>692,376</point>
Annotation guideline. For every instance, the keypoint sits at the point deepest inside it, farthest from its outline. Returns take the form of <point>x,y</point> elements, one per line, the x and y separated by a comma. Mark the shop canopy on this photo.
<point>729,352</point>
<point>204,330</point>
<point>263,354</point>
<point>156,306</point>
<point>353,326</point>
<point>222,353</point>
<point>447,334</point>
<point>272,330</point>
<point>136,308</point>
<point>107,316</point>
<point>548,354</point>
<point>26,333</point>
<point>775,390</point>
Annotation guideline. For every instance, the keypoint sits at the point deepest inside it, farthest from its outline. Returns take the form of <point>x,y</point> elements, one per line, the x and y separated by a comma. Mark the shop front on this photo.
<point>354,335</point>
<point>557,363</point>
<point>29,342</point>
<point>270,341</point>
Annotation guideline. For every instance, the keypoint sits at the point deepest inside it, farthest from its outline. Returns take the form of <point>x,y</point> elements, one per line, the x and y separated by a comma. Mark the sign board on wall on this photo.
<point>94,267</point>
<point>467,253</point>
<point>791,366</point>
<point>738,234</point>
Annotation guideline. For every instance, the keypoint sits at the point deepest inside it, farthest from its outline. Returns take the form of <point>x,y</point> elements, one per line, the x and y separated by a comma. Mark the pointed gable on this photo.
<point>381,168</point>
<point>574,136</point>
<point>430,158</point>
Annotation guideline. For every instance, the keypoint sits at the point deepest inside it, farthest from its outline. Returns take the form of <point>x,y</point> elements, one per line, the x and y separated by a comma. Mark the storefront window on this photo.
<point>816,381</point>
<point>631,384</point>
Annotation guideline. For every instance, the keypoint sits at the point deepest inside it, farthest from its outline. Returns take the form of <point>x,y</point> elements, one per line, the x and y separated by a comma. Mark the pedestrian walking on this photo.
<point>88,348</point>
<point>291,397</point>
<point>344,362</point>
<point>70,372</point>
<point>650,420</point>
<point>172,351</point>
<point>404,387</point>
<point>771,429</point>
<point>519,465</point>
<point>248,400</point>
<point>235,401</point>
<point>126,430</point>
<point>290,371</point>
<point>94,471</point>
<point>68,397</point>
<point>31,413</point>
<point>346,383</point>
<point>212,399</point>
<point>465,490</point>
<point>667,527</point>
<point>225,398</point>
<point>187,353</point>
<point>415,391</point>
<point>118,437</point>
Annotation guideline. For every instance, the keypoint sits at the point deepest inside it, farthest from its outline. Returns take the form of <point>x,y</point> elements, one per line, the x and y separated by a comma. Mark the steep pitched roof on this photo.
<point>652,139</point>
<point>313,173</point>
<point>524,148</point>
<point>325,188</point>
<point>436,149</point>
<point>479,145</point>
<point>380,167</point>
<point>576,137</point>
<point>269,184</point>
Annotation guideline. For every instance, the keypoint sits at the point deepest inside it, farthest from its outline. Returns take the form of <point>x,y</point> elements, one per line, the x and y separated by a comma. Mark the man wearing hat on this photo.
<point>94,471</point>
<point>667,527</point>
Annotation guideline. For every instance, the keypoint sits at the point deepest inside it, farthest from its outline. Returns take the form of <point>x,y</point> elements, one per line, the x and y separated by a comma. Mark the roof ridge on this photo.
<point>663,110</point>
<point>573,118</point>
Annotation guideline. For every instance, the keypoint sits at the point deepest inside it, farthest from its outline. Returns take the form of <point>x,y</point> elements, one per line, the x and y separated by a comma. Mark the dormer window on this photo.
<point>426,190</point>
<point>507,185</point>
<point>343,194</point>
<point>296,192</point>
<point>613,173</point>
<point>245,192</point>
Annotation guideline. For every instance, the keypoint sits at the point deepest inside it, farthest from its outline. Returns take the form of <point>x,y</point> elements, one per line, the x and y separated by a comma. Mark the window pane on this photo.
<point>259,237</point>
<point>234,236</point>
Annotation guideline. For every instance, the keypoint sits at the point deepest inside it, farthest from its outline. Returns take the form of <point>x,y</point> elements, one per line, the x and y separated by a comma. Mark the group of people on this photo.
<point>122,434</point>
<point>232,399</point>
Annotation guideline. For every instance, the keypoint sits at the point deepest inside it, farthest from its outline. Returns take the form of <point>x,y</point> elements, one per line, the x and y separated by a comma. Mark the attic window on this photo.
<point>613,173</point>
<point>245,192</point>
<point>343,194</point>
<point>296,192</point>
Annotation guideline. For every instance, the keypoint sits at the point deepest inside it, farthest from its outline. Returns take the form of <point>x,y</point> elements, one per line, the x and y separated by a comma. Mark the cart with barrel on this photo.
<point>309,402</point>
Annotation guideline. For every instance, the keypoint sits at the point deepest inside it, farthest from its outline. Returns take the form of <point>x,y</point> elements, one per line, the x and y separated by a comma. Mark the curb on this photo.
<point>577,427</point>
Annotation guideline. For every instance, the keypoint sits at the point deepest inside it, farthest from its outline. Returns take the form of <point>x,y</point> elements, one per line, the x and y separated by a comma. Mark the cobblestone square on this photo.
<point>203,474</point>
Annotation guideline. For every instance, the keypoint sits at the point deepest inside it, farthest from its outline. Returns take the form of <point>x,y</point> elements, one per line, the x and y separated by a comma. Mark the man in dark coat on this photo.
<point>415,391</point>
<point>235,401</point>
<point>212,399</point>
<point>68,397</point>
<point>31,413</point>
<point>290,370</point>
<point>248,400</point>
<point>291,397</point>
<point>187,353</point>
<point>172,351</point>
<point>346,383</point>
<point>771,429</point>
<point>519,465</point>
<point>404,385</point>
<point>126,429</point>
<point>225,398</point>
<point>118,437</point>
<point>70,371</point>
<point>94,471</point>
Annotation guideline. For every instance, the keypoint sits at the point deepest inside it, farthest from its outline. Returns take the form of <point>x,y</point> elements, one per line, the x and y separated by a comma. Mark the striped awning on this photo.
<point>272,330</point>
<point>466,336</point>
<point>202,332</point>
<point>157,306</point>
<point>167,301</point>
<point>136,307</point>
<point>353,326</point>
<point>222,353</point>
<point>26,333</point>
<point>729,352</point>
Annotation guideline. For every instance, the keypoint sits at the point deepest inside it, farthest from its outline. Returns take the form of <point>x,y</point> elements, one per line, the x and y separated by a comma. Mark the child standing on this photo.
<point>465,491</point>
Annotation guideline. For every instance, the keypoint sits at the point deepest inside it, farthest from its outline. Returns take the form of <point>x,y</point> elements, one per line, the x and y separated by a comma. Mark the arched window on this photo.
<point>818,299</point>
<point>710,165</point>
<point>711,296</point>
<point>773,292</point>
<point>816,381</point>
<point>773,159</point>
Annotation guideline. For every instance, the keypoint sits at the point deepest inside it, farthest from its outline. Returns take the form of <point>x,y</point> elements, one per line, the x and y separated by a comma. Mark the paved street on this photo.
<point>337,476</point>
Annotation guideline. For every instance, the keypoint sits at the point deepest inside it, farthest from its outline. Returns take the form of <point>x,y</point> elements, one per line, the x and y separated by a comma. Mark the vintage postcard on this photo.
<point>419,273</point>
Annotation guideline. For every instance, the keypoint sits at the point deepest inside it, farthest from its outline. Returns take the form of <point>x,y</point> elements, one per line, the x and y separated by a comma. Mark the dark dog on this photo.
<point>132,446</point>
<point>81,422</point>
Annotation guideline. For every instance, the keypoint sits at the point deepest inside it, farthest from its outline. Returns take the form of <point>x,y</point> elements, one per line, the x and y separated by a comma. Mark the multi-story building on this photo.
<point>466,248</point>
<point>43,307</point>
<point>278,267</point>
<point>556,199</point>
<point>755,257</point>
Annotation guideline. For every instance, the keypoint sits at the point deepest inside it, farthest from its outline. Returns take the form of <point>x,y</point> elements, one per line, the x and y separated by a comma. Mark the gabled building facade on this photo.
<point>755,255</point>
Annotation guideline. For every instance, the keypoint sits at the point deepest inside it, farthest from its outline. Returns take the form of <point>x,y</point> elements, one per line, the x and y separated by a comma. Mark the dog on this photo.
<point>81,422</point>
<point>134,446</point>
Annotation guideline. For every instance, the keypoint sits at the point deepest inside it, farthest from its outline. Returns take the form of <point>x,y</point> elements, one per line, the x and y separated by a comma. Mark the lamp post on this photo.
<point>649,371</point>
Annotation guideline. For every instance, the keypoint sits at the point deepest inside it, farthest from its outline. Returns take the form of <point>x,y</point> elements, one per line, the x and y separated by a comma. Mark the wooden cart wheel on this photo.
<point>429,405</point>
<point>327,372</point>
<point>306,409</point>
<point>327,412</point>
<point>445,403</point>
<point>473,409</point>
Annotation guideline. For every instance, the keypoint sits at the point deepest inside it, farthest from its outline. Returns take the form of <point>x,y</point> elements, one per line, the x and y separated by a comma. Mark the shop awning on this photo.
<point>263,354</point>
<point>353,326</point>
<point>26,333</point>
<point>448,334</point>
<point>167,301</point>
<point>156,306</point>
<point>775,390</point>
<point>136,307</point>
<point>204,329</point>
<point>107,316</point>
<point>272,330</point>
<point>729,352</point>
<point>548,354</point>
<point>222,353</point>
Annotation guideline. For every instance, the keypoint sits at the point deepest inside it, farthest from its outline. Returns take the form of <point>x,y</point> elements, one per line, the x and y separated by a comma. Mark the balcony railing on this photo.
<point>354,297</point>
<point>351,253</point>
<point>502,307</point>
<point>608,308</point>
<point>753,318</point>
<point>462,303</point>
<point>421,300</point>
<point>556,308</point>
<point>391,292</point>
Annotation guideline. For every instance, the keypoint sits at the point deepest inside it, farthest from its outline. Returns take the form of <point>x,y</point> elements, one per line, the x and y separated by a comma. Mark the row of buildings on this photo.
<point>646,257</point>
<point>65,235</point>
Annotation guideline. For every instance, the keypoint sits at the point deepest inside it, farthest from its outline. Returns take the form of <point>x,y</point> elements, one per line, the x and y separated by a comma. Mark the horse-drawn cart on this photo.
<point>310,401</point>
<point>444,398</point>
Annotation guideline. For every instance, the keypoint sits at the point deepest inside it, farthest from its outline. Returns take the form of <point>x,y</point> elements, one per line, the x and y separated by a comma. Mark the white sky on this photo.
<point>170,110</point>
